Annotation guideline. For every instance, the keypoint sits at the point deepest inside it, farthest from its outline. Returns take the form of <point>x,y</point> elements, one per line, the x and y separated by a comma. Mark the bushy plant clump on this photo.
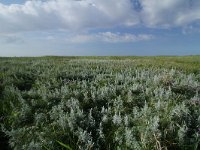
<point>98,104</point>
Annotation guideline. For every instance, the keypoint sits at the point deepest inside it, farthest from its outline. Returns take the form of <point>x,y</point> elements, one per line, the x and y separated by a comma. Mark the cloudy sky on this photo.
<point>99,27</point>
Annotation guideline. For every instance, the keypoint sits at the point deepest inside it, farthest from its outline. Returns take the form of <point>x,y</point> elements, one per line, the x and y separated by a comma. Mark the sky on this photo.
<point>99,27</point>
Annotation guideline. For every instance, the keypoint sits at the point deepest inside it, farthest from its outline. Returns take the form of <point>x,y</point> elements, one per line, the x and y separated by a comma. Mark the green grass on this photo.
<point>107,102</point>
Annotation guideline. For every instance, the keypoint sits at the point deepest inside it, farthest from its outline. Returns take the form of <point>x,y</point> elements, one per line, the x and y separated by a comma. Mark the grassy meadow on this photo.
<point>105,103</point>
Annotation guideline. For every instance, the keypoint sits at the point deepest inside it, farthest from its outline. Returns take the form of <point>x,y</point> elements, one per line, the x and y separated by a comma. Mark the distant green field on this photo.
<point>105,103</point>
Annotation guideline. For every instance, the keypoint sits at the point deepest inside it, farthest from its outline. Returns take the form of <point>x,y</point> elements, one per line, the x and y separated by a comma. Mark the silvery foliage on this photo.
<point>103,104</point>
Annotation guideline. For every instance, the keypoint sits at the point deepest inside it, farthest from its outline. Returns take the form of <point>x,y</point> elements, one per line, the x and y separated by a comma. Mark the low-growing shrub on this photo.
<point>99,104</point>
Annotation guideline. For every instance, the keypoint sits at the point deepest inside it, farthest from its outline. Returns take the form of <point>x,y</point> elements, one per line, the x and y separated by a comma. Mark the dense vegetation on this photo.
<point>141,103</point>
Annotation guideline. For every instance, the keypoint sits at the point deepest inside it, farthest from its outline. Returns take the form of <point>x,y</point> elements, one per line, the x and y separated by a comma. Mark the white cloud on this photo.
<point>82,38</point>
<point>126,37</point>
<point>169,13</point>
<point>65,14</point>
<point>81,15</point>
<point>109,37</point>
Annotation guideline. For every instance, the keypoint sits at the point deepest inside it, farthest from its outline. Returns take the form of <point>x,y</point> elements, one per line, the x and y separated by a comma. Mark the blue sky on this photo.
<point>99,27</point>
